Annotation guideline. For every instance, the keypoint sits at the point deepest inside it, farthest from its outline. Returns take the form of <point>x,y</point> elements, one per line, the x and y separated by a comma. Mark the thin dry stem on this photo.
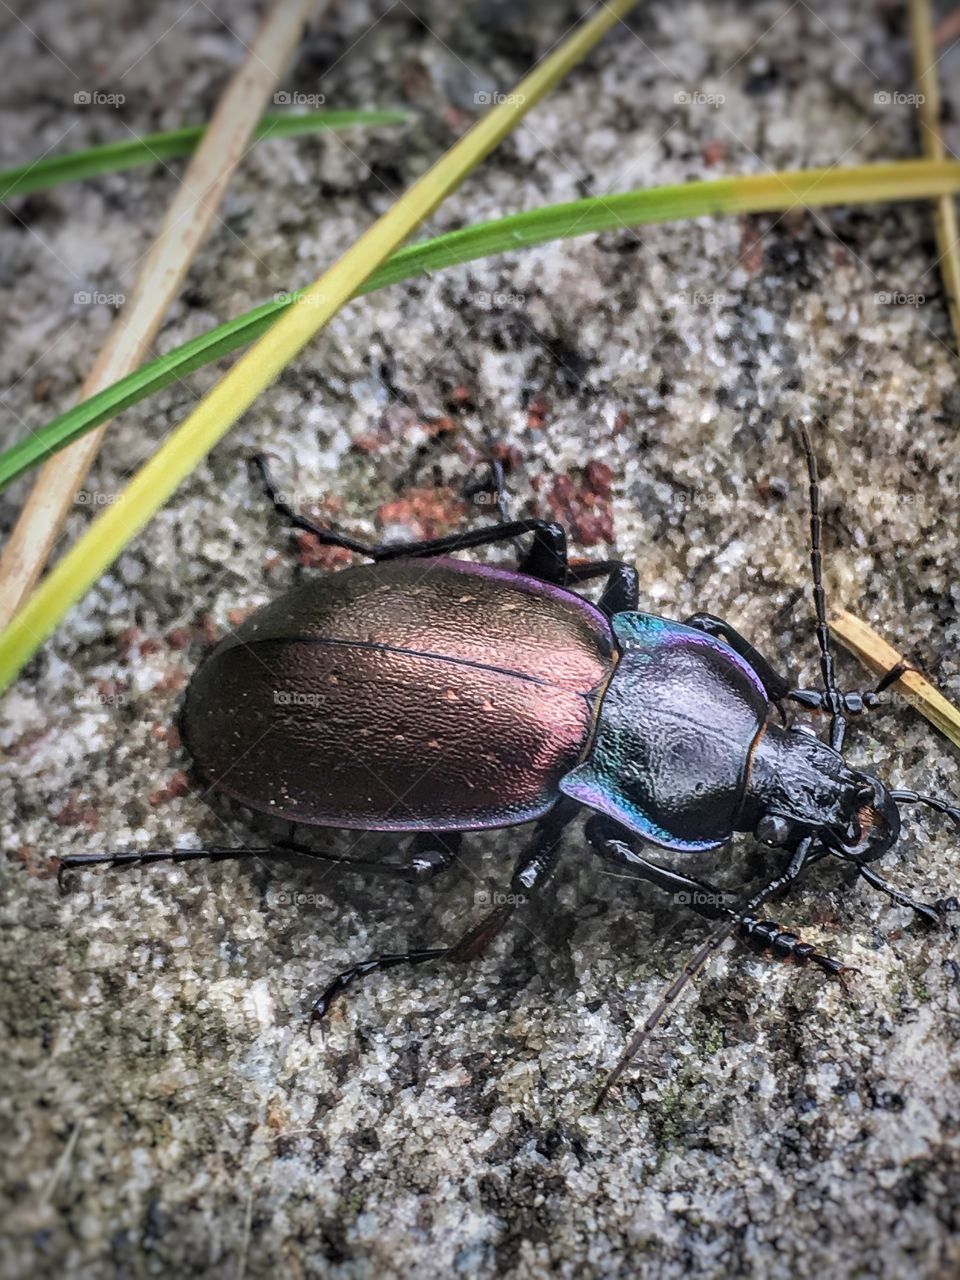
<point>881,657</point>
<point>161,273</point>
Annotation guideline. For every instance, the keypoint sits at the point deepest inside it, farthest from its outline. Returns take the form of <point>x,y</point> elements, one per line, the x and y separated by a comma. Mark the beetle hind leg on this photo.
<point>425,856</point>
<point>377,964</point>
<point>327,537</point>
<point>534,868</point>
<point>546,558</point>
<point>470,946</point>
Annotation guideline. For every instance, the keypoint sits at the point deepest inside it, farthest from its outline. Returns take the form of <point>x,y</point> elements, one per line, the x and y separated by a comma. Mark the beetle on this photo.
<point>433,696</point>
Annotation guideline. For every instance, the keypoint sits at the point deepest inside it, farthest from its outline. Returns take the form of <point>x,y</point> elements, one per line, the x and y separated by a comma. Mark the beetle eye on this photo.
<point>773,830</point>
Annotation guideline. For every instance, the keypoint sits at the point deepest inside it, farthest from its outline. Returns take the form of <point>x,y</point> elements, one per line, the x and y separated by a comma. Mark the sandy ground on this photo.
<point>165,1112</point>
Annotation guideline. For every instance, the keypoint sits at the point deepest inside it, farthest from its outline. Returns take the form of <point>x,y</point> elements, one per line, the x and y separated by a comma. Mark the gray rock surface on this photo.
<point>165,1112</point>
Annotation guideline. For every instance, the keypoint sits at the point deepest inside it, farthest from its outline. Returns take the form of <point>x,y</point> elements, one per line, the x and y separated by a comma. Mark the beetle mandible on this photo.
<point>434,696</point>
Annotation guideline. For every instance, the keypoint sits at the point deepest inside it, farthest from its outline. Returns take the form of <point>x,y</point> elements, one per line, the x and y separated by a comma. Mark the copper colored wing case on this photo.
<point>415,694</point>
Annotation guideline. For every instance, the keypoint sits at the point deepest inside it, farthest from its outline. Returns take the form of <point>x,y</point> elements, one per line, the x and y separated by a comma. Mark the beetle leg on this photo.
<point>613,844</point>
<point>776,686</point>
<point>762,935</point>
<point>550,544</point>
<point>853,703</point>
<point>893,675</point>
<point>546,558</point>
<point>426,855</point>
<point>769,939</point>
<point>743,923</point>
<point>549,549</point>
<point>429,853</point>
<point>621,594</point>
<point>328,537</point>
<point>496,494</point>
<point>532,871</point>
<point>765,936</point>
<point>377,964</point>
<point>141,857</point>
<point>621,591</point>
<point>930,912</point>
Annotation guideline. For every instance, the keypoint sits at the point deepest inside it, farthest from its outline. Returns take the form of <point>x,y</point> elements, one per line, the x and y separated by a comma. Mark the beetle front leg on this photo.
<point>615,844</point>
<point>776,686</point>
<point>765,937</point>
<point>532,871</point>
<point>855,702</point>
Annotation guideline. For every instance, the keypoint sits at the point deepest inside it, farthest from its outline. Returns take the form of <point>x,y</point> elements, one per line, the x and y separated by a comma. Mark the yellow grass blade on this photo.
<point>157,283</point>
<point>872,650</point>
<point>222,406</point>
<point>812,188</point>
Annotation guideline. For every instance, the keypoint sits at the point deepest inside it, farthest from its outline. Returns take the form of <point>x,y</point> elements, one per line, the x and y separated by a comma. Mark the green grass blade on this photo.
<point>766,193</point>
<point>257,369</point>
<point>51,171</point>
<point>147,380</point>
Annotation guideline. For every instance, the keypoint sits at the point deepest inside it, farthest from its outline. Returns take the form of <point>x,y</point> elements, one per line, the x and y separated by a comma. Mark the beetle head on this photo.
<point>800,786</point>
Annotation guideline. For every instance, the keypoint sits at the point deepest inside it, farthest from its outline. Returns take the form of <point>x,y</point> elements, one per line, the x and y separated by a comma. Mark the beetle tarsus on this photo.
<point>893,675</point>
<point>532,871</point>
<point>322,1004</point>
<point>141,857</point>
<point>843,977</point>
<point>471,945</point>
<point>853,703</point>
<point>768,938</point>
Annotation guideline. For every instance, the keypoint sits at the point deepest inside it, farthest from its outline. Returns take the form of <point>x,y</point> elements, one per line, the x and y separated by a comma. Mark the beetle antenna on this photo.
<point>832,701</point>
<point>805,853</point>
<point>690,970</point>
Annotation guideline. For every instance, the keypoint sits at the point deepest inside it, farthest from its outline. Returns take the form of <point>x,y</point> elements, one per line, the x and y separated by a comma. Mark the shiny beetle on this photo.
<point>430,695</point>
